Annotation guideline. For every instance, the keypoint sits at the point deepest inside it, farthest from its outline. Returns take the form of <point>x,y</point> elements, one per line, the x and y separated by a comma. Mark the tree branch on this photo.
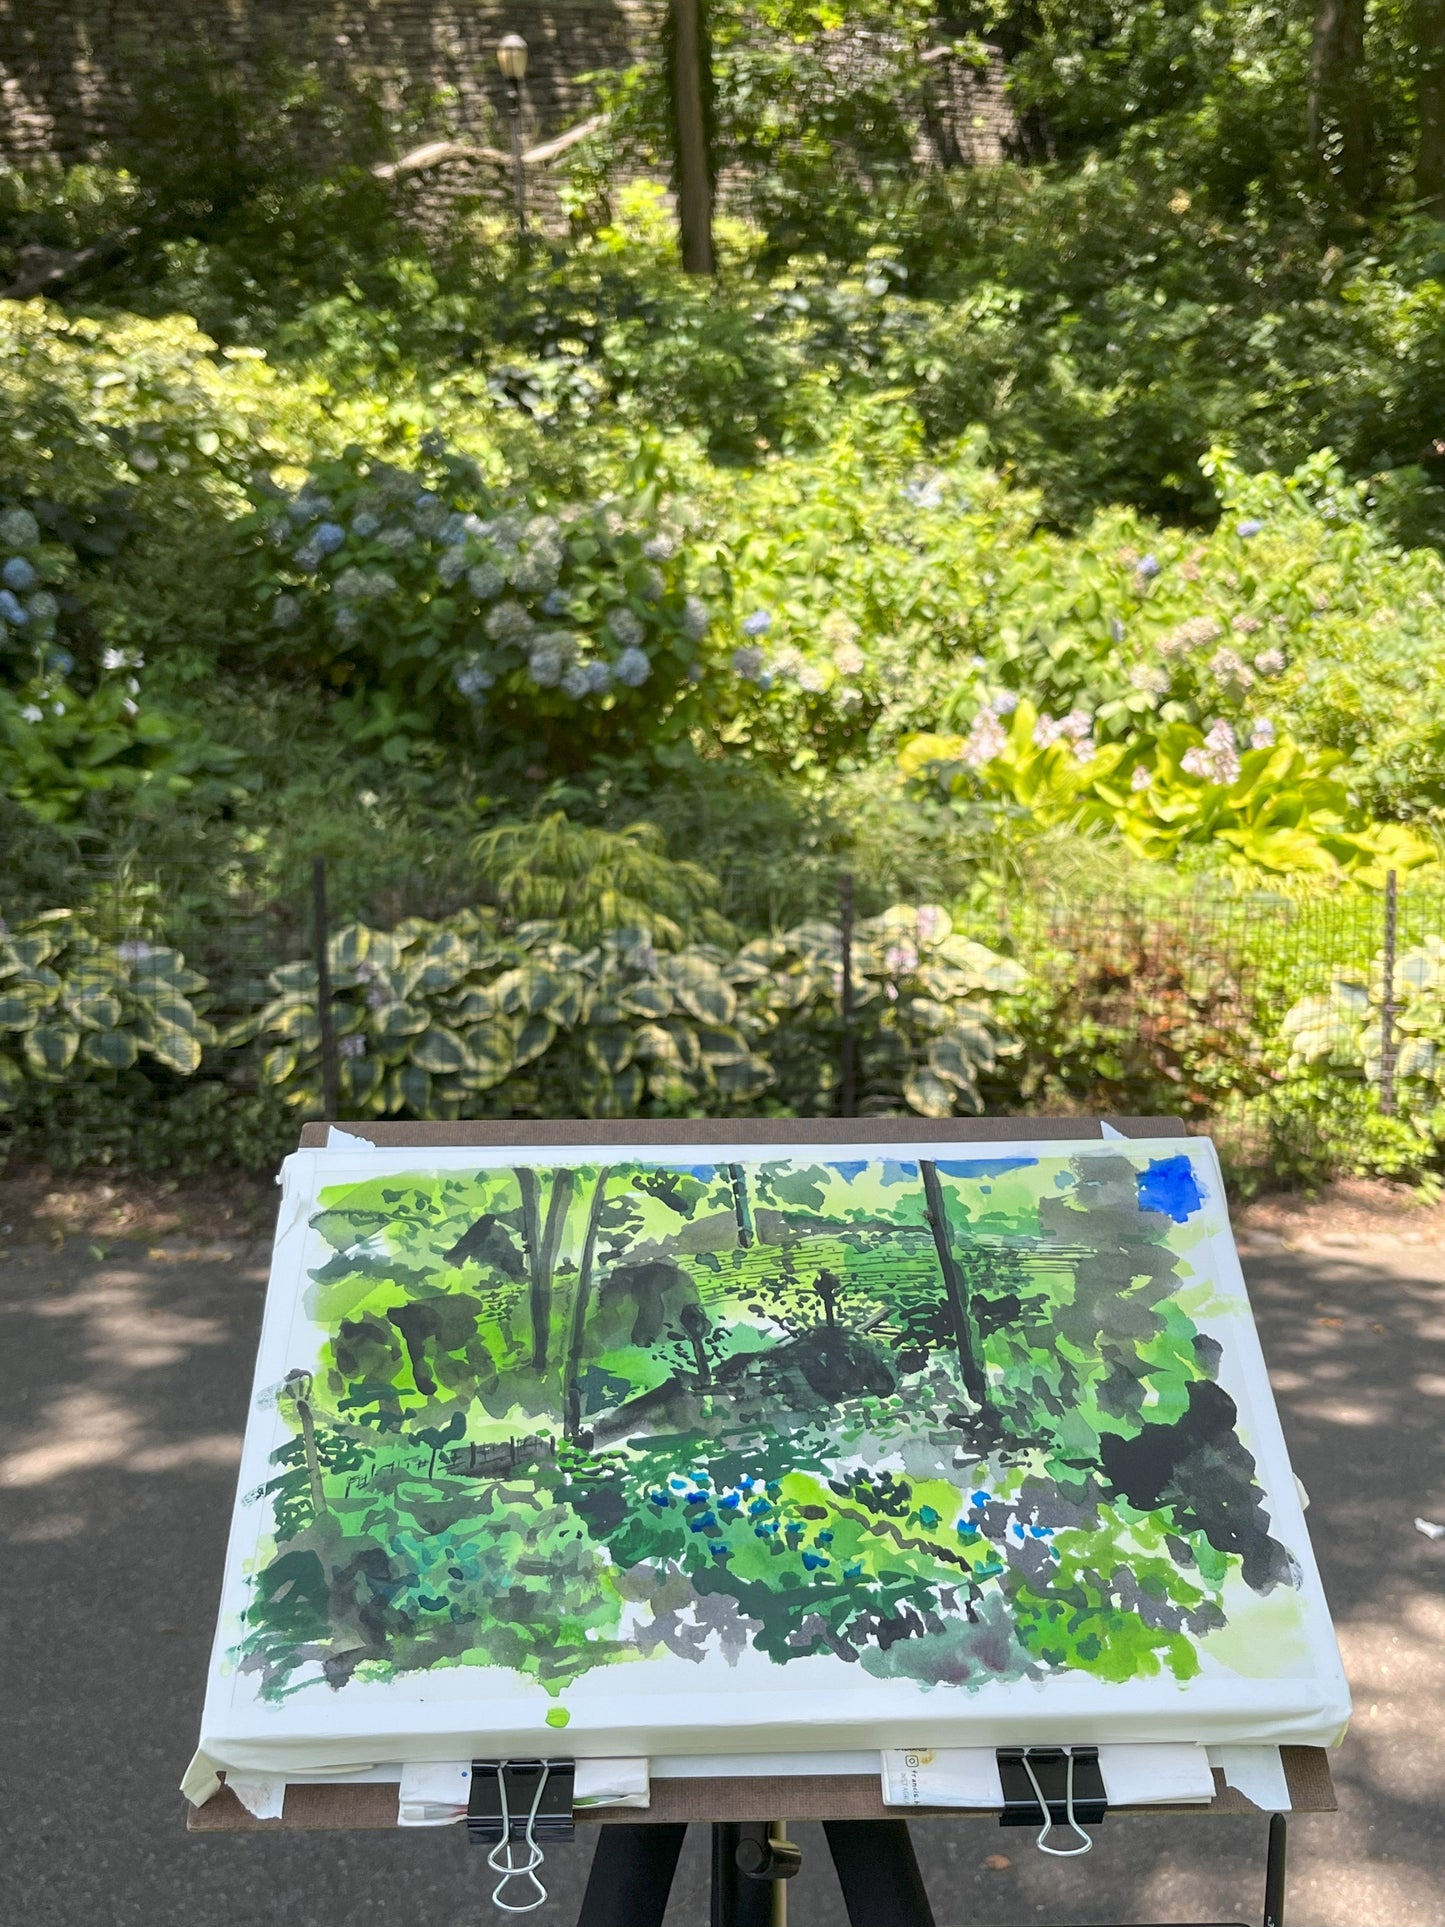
<point>438,153</point>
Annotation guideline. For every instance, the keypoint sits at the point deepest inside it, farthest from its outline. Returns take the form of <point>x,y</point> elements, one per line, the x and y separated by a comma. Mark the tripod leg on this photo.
<point>736,1900</point>
<point>1274,1872</point>
<point>631,1876</point>
<point>878,1873</point>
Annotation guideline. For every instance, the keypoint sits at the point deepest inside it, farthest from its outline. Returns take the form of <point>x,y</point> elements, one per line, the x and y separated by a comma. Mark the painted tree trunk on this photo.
<point>572,1422</point>
<point>313,1457</point>
<point>557,1207</point>
<point>970,1364</point>
<point>532,1247</point>
<point>742,1208</point>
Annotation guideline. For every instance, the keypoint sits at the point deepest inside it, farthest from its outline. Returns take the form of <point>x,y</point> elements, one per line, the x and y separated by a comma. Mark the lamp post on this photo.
<point>512,59</point>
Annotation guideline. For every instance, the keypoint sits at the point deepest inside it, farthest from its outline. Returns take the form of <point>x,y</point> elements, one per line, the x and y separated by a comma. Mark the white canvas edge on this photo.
<point>417,1719</point>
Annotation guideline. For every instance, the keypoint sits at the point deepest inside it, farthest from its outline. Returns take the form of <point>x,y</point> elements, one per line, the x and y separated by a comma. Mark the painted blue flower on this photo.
<point>722,1552</point>
<point>731,1501</point>
<point>328,537</point>
<point>813,1561</point>
<point>678,1485</point>
<point>11,608</point>
<point>1148,567</point>
<point>697,1498</point>
<point>19,574</point>
<point>758,623</point>
<point>980,1500</point>
<point>758,1508</point>
<point>701,1522</point>
<point>852,1572</point>
<point>823,1538</point>
<point>927,1517</point>
<point>1248,528</point>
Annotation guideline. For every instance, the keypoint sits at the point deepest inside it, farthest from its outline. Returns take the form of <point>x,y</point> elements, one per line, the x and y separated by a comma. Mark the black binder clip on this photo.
<point>1061,1786</point>
<point>520,1800</point>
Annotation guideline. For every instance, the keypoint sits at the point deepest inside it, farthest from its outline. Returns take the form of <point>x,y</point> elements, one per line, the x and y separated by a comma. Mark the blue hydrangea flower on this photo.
<point>365,524</point>
<point>43,606</point>
<point>696,618</point>
<point>627,627</point>
<point>473,681</point>
<point>555,603</point>
<point>285,611</point>
<point>576,683</point>
<point>19,574</point>
<point>1248,528</point>
<point>633,668</point>
<point>328,537</point>
<point>758,623</point>
<point>599,678</point>
<point>19,529</point>
<point>11,608</point>
<point>1148,567</point>
<point>59,662</point>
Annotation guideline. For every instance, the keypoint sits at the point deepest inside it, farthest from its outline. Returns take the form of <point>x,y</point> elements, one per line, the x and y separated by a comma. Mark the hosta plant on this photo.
<point>925,1027</point>
<point>459,1018</point>
<point>1343,1029</point>
<point>72,1002</point>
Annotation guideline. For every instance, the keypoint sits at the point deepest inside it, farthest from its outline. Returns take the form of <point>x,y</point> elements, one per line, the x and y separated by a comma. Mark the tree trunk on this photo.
<point>1429,38</point>
<point>955,1289</point>
<point>573,1390</point>
<point>742,1209</point>
<point>557,1204</point>
<point>689,107</point>
<point>531,1238</point>
<point>1339,102</point>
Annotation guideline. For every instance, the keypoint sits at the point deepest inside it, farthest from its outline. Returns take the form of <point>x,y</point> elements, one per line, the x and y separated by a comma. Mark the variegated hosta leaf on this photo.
<point>22,1004</point>
<point>757,960</point>
<point>816,941</point>
<point>647,999</point>
<point>929,1094</point>
<point>526,989</point>
<point>699,987</point>
<point>685,1043</point>
<point>438,964</point>
<point>535,1037</point>
<point>441,1052</point>
<point>177,1048</point>
<point>12,1083</point>
<point>656,1045</point>
<point>566,1007</point>
<point>1416,1058</point>
<point>279,1066</point>
<point>491,1054</point>
<point>110,1050</point>
<point>410,1089</point>
<point>721,1045</point>
<point>50,1048</point>
<point>399,1020</point>
<point>94,1007</point>
<point>610,1049</point>
<point>30,952</point>
<point>473,1005</point>
<point>743,1077</point>
<point>348,948</point>
<point>958,1058</point>
<point>294,979</point>
<point>604,1095</point>
<point>167,970</point>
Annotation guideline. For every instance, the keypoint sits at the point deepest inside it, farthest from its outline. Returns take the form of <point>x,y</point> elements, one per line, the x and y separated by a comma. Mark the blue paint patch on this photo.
<point>897,1171</point>
<point>983,1167</point>
<point>1170,1186</point>
<point>854,1168</point>
<point>707,1172</point>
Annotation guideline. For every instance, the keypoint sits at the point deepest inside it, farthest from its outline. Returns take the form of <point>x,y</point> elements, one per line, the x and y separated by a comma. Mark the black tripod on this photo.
<point>632,1873</point>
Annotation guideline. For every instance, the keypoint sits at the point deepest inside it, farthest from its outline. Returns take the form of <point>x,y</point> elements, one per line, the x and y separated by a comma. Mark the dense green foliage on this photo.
<point>1069,522</point>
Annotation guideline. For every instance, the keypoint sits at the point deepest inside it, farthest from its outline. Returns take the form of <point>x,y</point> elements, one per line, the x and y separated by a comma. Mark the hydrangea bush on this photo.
<point>478,610</point>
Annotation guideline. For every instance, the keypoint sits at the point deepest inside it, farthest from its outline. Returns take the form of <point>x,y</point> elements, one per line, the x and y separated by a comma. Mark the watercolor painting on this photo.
<point>952,1422</point>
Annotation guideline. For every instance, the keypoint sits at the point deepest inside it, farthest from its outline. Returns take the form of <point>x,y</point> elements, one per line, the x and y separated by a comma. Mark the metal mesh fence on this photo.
<point>1165,1002</point>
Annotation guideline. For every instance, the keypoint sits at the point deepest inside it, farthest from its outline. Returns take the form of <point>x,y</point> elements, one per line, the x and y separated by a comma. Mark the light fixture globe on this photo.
<point>512,56</point>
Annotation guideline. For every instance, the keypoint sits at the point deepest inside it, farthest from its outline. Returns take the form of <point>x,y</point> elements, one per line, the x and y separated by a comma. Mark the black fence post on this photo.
<point>330,1069</point>
<point>1387,1003</point>
<point>848,1072</point>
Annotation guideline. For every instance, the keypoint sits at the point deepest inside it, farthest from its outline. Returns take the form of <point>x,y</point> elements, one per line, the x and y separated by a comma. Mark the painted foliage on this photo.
<point>951,1422</point>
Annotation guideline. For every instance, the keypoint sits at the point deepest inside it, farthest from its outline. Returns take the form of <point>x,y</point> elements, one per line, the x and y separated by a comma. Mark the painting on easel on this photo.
<point>929,1439</point>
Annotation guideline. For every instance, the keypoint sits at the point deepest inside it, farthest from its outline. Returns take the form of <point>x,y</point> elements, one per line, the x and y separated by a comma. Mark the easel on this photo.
<point>749,1853</point>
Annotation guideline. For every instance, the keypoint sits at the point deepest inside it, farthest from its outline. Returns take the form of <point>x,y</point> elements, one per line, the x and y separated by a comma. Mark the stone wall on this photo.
<point>70,69</point>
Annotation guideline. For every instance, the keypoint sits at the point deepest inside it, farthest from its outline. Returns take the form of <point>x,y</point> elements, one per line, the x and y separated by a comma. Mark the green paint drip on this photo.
<point>558,1716</point>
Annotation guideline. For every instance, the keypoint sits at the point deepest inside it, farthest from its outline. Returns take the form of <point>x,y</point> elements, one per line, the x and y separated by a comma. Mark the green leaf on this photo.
<point>927,1093</point>
<point>110,1050</point>
<point>279,1066</point>
<point>50,1049</point>
<point>647,1000</point>
<point>22,1005</point>
<point>699,987</point>
<point>399,1020</point>
<point>176,1048</point>
<point>536,1036</point>
<point>94,1007</point>
<point>440,1051</point>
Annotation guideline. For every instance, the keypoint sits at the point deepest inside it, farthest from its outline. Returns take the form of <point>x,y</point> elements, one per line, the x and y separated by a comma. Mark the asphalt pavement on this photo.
<point>123,1393</point>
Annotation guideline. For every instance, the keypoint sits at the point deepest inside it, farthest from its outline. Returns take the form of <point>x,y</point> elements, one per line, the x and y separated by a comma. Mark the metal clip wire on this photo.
<point>528,1869</point>
<point>1059,1853</point>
